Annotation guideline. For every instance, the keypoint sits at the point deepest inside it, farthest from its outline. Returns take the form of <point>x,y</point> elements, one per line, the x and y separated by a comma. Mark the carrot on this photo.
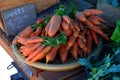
<point>27,53</point>
<point>74,50</point>
<point>70,42</point>
<point>30,47</point>
<point>89,42</point>
<point>92,12</point>
<point>52,54</point>
<point>25,33</point>
<point>103,27</point>
<point>22,40</point>
<point>60,30</point>
<point>82,38</point>
<point>75,34</point>
<point>80,25</point>
<point>94,36</point>
<point>65,26</point>
<point>37,32</point>
<point>84,32</point>
<point>33,54</point>
<point>99,18</point>
<point>63,54</point>
<point>43,33</point>
<point>81,44</point>
<point>94,20</point>
<point>80,16</point>
<point>87,13</point>
<point>40,20</point>
<point>54,25</point>
<point>77,28</point>
<point>72,39</point>
<point>41,54</point>
<point>34,39</point>
<point>47,28</point>
<point>80,51</point>
<point>72,25</point>
<point>82,35</point>
<point>96,29</point>
<point>68,32</point>
<point>66,19</point>
<point>25,46</point>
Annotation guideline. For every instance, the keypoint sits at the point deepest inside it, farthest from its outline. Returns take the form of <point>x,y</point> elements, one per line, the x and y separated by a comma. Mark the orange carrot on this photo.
<point>30,47</point>
<point>63,54</point>
<point>41,54</point>
<point>60,30</point>
<point>75,34</point>
<point>34,39</point>
<point>82,38</point>
<point>33,54</point>
<point>68,32</point>
<point>80,16</point>
<point>84,32</point>
<point>96,29</point>
<point>94,20</point>
<point>81,44</point>
<point>37,32</point>
<point>40,21</point>
<point>92,12</point>
<point>70,42</point>
<point>66,19</point>
<point>65,26</point>
<point>87,13</point>
<point>52,54</point>
<point>80,51</point>
<point>25,33</point>
<point>80,25</point>
<point>47,28</point>
<point>27,53</point>
<point>43,33</point>
<point>99,18</point>
<point>76,27</point>
<point>89,42</point>
<point>22,40</point>
<point>94,36</point>
<point>55,22</point>
<point>74,50</point>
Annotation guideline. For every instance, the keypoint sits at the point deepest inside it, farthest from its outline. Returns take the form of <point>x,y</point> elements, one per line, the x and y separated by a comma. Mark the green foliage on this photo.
<point>109,66</point>
<point>61,11</point>
<point>73,9</point>
<point>43,24</point>
<point>116,34</point>
<point>53,42</point>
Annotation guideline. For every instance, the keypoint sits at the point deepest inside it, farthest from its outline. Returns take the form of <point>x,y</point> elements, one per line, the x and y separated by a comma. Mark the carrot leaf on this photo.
<point>61,11</point>
<point>73,9</point>
<point>53,42</point>
<point>43,24</point>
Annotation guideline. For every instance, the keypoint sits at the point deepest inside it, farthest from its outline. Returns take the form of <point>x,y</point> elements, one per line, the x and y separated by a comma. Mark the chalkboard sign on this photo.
<point>16,19</point>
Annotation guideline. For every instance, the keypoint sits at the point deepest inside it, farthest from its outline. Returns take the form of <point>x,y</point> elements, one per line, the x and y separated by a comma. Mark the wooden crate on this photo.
<point>39,4</point>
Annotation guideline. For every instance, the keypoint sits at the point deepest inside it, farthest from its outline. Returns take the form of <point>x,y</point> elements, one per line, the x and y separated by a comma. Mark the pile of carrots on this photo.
<point>81,33</point>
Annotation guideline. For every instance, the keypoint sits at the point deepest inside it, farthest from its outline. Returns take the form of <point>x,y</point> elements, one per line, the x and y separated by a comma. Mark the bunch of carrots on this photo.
<point>80,33</point>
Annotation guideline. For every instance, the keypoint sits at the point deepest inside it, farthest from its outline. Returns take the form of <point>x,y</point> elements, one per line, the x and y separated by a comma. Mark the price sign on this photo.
<point>16,19</point>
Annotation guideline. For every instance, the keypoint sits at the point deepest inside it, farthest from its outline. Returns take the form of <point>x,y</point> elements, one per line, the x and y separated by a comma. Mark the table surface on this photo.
<point>38,74</point>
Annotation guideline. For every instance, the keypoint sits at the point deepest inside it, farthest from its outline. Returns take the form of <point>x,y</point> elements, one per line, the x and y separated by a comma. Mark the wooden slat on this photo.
<point>40,4</point>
